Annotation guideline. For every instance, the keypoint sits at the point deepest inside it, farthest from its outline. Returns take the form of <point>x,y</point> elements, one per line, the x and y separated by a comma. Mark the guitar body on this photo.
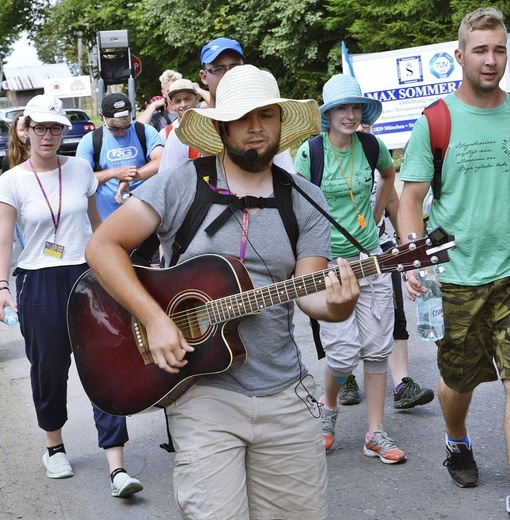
<point>106,345</point>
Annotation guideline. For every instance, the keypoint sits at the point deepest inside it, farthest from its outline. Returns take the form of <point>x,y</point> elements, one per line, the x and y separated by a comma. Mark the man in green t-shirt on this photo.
<point>474,207</point>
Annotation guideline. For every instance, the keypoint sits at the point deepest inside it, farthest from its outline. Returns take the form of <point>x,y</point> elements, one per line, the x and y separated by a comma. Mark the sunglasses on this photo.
<point>117,128</point>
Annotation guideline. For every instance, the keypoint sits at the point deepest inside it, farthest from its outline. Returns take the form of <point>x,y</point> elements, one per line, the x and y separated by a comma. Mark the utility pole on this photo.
<point>80,57</point>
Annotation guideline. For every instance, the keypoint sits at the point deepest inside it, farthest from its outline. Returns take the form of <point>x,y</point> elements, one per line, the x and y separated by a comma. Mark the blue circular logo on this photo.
<point>441,65</point>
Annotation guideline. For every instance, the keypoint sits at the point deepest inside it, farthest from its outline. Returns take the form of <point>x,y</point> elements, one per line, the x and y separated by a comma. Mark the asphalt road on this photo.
<point>360,488</point>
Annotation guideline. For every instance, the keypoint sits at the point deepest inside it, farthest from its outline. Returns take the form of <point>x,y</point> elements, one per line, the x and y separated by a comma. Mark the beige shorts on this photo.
<point>247,458</point>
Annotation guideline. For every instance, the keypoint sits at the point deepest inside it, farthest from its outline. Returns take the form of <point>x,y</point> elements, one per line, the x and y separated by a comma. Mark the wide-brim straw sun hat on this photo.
<point>343,89</point>
<point>241,90</point>
<point>45,108</point>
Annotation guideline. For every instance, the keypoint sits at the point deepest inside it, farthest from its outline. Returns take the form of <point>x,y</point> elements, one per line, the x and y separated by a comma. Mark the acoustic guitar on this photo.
<point>207,297</point>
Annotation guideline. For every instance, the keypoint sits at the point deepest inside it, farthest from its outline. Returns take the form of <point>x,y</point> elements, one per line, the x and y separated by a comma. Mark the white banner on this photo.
<point>68,87</point>
<point>406,81</point>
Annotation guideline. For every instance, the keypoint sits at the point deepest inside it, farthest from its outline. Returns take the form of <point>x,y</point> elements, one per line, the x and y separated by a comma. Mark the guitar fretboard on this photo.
<point>248,302</point>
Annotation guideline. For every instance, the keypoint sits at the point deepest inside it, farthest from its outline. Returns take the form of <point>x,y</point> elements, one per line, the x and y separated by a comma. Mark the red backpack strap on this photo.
<point>193,154</point>
<point>438,118</point>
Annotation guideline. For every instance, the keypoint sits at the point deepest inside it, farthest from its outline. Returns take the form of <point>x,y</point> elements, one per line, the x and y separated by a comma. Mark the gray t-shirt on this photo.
<point>273,359</point>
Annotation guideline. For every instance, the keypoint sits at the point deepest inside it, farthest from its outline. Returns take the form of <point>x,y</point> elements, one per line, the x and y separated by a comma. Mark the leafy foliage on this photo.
<point>298,40</point>
<point>15,17</point>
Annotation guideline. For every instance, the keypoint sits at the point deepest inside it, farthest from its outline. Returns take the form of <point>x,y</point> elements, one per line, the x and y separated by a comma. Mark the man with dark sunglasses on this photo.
<point>123,162</point>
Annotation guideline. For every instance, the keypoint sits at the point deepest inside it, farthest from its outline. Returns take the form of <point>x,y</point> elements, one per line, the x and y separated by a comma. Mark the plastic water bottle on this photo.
<point>429,308</point>
<point>10,316</point>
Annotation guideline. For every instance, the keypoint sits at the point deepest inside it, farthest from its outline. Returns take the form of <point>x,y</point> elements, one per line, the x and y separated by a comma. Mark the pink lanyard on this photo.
<point>244,224</point>
<point>56,221</point>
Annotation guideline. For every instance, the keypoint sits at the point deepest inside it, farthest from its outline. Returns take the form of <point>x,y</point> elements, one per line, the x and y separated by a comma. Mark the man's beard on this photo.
<point>261,163</point>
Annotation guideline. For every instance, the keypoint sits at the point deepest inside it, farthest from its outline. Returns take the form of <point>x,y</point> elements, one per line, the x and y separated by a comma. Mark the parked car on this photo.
<point>7,114</point>
<point>81,125</point>
<point>4,135</point>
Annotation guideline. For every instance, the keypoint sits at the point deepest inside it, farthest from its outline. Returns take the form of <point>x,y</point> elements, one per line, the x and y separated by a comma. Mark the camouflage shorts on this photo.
<point>477,334</point>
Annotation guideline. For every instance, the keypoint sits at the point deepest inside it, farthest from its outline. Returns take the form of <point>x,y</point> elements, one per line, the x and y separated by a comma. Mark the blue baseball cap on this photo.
<point>214,48</point>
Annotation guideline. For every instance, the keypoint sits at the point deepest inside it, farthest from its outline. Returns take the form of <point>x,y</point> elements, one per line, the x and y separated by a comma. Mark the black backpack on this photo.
<point>205,196</point>
<point>97,142</point>
<point>370,148</point>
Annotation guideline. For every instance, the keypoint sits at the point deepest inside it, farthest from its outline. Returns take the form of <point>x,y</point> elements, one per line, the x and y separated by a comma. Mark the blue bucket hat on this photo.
<point>343,89</point>
<point>213,49</point>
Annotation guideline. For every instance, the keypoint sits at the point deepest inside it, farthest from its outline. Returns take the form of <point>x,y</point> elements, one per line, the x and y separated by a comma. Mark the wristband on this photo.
<point>4,281</point>
<point>404,277</point>
<point>6,288</point>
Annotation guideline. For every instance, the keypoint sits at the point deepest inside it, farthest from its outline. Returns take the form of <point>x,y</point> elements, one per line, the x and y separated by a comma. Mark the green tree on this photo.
<point>15,17</point>
<point>381,25</point>
<point>286,37</point>
<point>298,40</point>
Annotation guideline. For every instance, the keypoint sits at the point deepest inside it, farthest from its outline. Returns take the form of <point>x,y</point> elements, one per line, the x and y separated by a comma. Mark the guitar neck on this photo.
<point>249,302</point>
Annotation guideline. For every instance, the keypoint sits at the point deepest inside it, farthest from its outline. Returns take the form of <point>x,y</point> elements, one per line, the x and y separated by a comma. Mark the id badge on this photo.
<point>54,250</point>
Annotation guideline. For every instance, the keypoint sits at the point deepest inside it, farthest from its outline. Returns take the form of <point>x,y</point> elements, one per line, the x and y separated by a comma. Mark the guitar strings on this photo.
<point>192,318</point>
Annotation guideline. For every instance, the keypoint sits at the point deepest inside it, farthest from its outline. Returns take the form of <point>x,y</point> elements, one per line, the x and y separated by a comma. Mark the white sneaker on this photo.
<point>123,485</point>
<point>57,466</point>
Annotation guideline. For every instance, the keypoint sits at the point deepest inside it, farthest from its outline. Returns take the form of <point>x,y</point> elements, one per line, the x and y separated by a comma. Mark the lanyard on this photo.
<point>361,219</point>
<point>56,221</point>
<point>244,225</point>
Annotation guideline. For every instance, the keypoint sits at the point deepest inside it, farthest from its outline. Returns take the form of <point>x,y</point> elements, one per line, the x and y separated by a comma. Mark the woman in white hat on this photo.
<point>347,180</point>
<point>51,198</point>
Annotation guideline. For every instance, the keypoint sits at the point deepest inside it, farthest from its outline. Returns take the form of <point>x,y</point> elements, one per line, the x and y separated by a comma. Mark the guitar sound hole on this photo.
<point>190,315</point>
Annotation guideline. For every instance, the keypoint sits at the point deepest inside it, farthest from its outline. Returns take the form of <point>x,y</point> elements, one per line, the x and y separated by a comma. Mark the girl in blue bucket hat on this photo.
<point>346,180</point>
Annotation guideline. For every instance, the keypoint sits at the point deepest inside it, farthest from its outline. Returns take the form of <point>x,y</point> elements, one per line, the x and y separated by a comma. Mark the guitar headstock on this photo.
<point>427,251</point>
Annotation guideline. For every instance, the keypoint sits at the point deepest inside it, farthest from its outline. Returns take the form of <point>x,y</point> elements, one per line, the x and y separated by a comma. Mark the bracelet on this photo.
<point>5,281</point>
<point>6,288</point>
<point>404,277</point>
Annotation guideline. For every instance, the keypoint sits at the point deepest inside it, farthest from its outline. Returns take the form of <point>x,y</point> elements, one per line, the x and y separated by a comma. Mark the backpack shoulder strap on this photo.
<point>97,144</point>
<point>168,129</point>
<point>370,146</point>
<point>439,121</point>
<point>316,159</point>
<point>140,133</point>
<point>206,174</point>
<point>283,194</point>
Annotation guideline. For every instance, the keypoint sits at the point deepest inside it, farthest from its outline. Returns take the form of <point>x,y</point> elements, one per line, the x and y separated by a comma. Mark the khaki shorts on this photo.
<point>477,334</point>
<point>247,458</point>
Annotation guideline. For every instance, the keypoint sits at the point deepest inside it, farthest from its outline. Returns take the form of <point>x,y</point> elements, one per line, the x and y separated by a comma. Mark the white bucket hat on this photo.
<point>343,89</point>
<point>46,109</point>
<point>241,90</point>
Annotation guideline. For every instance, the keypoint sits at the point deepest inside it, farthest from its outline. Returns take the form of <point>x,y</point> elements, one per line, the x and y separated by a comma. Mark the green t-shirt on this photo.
<point>475,191</point>
<point>336,191</point>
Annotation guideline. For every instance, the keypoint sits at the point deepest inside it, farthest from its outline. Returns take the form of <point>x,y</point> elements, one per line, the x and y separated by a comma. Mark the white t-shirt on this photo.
<point>19,188</point>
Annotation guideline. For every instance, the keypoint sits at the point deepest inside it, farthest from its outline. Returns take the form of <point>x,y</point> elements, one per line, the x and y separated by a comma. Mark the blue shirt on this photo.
<point>116,152</point>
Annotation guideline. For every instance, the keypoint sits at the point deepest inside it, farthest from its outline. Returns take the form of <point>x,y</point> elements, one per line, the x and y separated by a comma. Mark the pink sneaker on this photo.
<point>378,444</point>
